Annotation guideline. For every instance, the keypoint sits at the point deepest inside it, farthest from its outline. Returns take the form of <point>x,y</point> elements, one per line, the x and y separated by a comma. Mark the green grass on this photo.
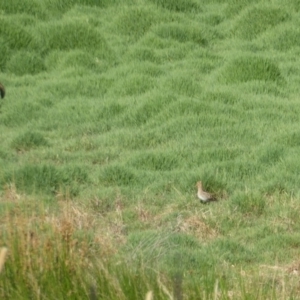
<point>113,111</point>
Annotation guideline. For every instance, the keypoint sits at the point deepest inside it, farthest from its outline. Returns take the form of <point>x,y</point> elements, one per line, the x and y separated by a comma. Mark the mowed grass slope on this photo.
<point>113,111</point>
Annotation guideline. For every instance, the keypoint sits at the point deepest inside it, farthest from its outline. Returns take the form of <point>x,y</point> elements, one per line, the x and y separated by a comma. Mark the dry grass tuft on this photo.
<point>196,226</point>
<point>294,268</point>
<point>3,254</point>
<point>39,232</point>
<point>143,214</point>
<point>149,295</point>
<point>10,193</point>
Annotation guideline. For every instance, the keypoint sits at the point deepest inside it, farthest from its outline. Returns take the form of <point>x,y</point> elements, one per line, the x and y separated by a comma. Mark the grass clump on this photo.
<point>14,35</point>
<point>21,113</point>
<point>256,20</point>
<point>292,139</point>
<point>118,175</point>
<point>248,68</point>
<point>24,62</point>
<point>184,85</point>
<point>5,50</point>
<point>135,22</point>
<point>69,34</point>
<point>284,39</point>
<point>156,161</point>
<point>234,252</point>
<point>235,6</point>
<point>35,230</point>
<point>178,5</point>
<point>29,140</point>
<point>47,179</point>
<point>33,8</point>
<point>133,85</point>
<point>181,33</point>
<point>249,204</point>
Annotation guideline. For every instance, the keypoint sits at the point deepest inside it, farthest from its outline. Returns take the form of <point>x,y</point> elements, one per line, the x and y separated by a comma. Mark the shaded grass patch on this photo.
<point>48,179</point>
<point>25,62</point>
<point>248,68</point>
<point>71,35</point>
<point>29,140</point>
<point>182,33</point>
<point>178,5</point>
<point>34,7</point>
<point>15,35</point>
<point>118,175</point>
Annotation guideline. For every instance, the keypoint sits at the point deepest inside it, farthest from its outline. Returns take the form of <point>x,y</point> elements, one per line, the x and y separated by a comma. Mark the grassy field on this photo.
<point>113,111</point>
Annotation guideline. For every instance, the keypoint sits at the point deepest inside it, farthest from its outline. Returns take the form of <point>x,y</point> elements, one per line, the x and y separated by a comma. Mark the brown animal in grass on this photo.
<point>2,90</point>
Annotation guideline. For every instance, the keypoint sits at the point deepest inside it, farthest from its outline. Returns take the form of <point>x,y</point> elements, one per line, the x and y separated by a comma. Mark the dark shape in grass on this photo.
<point>29,140</point>
<point>2,90</point>
<point>248,68</point>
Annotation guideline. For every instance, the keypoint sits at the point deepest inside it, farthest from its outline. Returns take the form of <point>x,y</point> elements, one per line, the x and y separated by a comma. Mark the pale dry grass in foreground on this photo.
<point>3,253</point>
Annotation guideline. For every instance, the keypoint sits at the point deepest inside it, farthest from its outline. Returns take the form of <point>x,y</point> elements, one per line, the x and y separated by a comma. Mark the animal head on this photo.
<point>199,184</point>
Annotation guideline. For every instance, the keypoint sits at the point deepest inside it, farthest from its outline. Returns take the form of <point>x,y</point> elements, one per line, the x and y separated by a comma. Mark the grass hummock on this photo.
<point>113,111</point>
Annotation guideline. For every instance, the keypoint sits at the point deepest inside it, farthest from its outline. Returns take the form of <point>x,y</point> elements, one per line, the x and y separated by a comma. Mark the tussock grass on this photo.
<point>33,8</point>
<point>113,111</point>
<point>29,140</point>
<point>251,68</point>
<point>284,38</point>
<point>178,5</point>
<point>47,178</point>
<point>135,22</point>
<point>24,62</point>
<point>256,20</point>
<point>14,35</point>
<point>69,34</point>
<point>182,34</point>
